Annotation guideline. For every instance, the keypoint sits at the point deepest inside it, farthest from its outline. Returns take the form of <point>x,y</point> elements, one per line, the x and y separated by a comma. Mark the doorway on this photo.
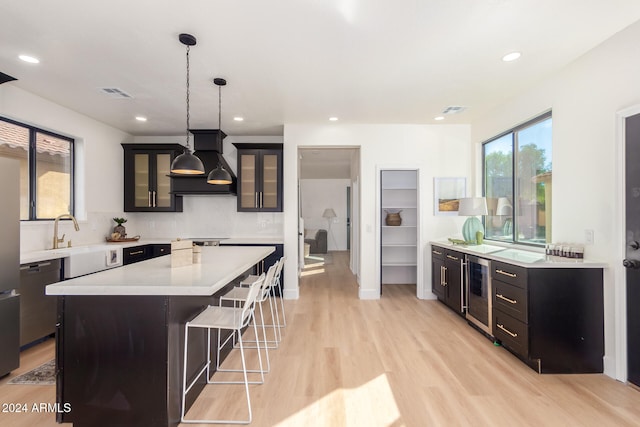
<point>326,175</point>
<point>632,245</point>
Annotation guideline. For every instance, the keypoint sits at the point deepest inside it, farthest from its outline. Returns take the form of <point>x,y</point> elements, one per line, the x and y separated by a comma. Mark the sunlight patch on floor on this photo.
<point>374,399</point>
<point>310,272</point>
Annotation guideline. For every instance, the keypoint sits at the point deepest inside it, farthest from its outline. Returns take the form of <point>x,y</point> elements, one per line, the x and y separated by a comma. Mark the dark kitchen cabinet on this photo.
<point>139,253</point>
<point>259,177</point>
<point>147,186</point>
<point>551,318</point>
<point>264,265</point>
<point>447,277</point>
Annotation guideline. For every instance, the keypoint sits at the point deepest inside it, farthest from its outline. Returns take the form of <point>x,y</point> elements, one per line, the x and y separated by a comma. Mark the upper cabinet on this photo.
<point>147,186</point>
<point>259,177</point>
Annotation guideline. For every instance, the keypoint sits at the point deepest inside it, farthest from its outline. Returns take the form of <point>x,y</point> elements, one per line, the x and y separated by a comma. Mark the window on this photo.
<point>517,183</point>
<point>46,169</point>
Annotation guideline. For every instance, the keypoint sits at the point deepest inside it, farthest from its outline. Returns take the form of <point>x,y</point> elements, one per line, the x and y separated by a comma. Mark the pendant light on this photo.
<point>187,163</point>
<point>219,175</point>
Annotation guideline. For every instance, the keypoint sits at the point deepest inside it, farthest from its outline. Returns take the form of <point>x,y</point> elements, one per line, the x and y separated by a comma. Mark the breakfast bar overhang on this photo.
<point>120,336</point>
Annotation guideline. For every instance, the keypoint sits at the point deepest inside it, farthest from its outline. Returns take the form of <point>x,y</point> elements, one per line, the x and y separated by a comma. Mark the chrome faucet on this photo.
<point>56,241</point>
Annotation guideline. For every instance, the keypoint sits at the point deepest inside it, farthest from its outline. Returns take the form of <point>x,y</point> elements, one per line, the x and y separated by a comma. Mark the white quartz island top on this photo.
<point>219,266</point>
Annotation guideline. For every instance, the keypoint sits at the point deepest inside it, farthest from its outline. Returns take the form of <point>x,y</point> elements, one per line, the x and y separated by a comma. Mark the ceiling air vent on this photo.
<point>114,92</point>
<point>454,109</point>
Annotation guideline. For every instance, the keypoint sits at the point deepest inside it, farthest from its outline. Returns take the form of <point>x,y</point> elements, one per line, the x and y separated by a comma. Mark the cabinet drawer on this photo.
<point>437,252</point>
<point>161,249</point>
<point>454,256</point>
<point>513,333</point>
<point>509,273</point>
<point>510,300</point>
<point>135,254</point>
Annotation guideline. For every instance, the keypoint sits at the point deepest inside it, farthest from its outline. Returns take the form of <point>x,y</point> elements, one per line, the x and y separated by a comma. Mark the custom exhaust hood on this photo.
<point>207,144</point>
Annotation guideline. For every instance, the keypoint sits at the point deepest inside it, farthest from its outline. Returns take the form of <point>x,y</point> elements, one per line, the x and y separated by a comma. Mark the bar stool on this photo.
<point>224,318</point>
<point>273,306</point>
<point>279,285</point>
<point>239,294</point>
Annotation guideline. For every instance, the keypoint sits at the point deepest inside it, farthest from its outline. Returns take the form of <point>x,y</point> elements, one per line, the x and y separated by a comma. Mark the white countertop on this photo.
<point>520,257</point>
<point>220,265</point>
<point>37,256</point>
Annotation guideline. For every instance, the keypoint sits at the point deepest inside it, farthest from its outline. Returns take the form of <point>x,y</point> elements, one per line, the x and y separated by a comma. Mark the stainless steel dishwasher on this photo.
<point>37,310</point>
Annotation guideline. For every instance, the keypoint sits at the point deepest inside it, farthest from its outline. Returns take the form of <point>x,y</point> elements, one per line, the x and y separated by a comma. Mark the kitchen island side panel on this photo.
<point>119,358</point>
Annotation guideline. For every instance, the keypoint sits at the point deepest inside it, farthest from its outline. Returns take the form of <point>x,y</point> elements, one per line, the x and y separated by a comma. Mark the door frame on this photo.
<point>619,272</point>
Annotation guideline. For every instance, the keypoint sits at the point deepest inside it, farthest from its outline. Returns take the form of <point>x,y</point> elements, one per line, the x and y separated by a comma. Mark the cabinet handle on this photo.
<point>149,199</point>
<point>261,199</point>
<point>506,273</point>
<point>444,276</point>
<point>441,276</point>
<point>155,202</point>
<point>437,253</point>
<point>136,253</point>
<point>502,297</point>
<point>513,335</point>
<point>452,257</point>
<point>255,205</point>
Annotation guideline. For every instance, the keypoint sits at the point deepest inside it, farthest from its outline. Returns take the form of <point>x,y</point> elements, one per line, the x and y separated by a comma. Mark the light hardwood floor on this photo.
<point>397,361</point>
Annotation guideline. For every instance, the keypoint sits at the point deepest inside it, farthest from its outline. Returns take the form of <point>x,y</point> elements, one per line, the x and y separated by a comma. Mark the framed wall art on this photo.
<point>447,194</point>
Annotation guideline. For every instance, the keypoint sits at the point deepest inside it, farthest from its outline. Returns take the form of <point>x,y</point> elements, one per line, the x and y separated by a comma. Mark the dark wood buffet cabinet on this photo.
<point>552,318</point>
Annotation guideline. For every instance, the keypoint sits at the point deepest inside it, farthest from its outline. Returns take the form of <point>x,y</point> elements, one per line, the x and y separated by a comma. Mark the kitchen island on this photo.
<point>120,336</point>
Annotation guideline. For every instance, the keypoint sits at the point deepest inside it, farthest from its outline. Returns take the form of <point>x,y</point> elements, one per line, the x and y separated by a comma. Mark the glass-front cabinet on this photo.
<point>147,185</point>
<point>259,177</point>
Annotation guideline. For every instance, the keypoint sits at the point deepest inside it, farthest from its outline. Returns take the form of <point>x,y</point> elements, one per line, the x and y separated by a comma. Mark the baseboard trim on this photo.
<point>291,293</point>
<point>368,293</point>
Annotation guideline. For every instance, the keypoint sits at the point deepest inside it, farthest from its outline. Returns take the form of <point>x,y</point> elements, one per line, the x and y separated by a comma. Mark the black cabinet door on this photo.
<point>438,286</point>
<point>259,177</point>
<point>147,186</point>
<point>453,264</point>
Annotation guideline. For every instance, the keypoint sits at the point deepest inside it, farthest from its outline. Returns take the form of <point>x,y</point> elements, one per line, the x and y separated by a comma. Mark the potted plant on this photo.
<point>120,228</point>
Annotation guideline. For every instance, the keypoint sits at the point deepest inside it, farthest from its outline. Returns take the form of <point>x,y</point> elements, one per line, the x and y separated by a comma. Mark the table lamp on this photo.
<point>472,229</point>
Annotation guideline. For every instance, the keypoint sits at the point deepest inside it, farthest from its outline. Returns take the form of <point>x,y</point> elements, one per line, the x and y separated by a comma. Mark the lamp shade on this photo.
<point>329,213</point>
<point>187,164</point>
<point>504,207</point>
<point>219,176</point>
<point>472,206</point>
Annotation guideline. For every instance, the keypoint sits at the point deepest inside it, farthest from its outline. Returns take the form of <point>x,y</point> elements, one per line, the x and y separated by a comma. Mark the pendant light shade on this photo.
<point>219,175</point>
<point>187,163</point>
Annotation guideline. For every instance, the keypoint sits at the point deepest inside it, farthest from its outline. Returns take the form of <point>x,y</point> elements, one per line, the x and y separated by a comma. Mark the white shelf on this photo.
<point>399,264</point>
<point>399,248</point>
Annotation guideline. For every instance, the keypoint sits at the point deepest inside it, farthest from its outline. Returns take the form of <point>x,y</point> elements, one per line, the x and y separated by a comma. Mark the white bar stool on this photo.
<point>227,318</point>
<point>239,295</point>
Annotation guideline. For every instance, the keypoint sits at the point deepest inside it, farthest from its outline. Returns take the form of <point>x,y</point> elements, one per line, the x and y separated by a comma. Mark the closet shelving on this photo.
<point>398,252</point>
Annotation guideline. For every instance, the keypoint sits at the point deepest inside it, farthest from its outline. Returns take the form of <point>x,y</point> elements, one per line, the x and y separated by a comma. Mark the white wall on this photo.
<point>437,150</point>
<point>585,97</point>
<point>98,187</point>
<point>320,194</point>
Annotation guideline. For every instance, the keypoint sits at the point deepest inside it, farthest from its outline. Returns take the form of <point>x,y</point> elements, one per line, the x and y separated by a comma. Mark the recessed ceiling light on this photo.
<point>141,118</point>
<point>29,59</point>
<point>333,119</point>
<point>438,118</point>
<point>238,119</point>
<point>511,56</point>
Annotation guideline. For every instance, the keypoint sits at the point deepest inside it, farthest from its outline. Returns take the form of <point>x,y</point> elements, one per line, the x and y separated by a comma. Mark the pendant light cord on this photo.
<point>219,107</point>
<point>187,135</point>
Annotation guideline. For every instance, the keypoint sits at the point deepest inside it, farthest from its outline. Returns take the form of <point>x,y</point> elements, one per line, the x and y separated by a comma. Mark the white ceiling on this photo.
<point>295,61</point>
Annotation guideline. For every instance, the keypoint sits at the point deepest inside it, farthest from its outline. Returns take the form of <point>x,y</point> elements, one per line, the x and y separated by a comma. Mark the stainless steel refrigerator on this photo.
<point>9,265</point>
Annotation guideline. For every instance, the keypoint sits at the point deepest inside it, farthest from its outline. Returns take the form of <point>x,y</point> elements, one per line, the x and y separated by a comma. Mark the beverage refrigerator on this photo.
<point>9,265</point>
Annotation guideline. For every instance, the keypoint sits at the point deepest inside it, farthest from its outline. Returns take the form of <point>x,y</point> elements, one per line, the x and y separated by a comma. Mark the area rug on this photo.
<point>42,375</point>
